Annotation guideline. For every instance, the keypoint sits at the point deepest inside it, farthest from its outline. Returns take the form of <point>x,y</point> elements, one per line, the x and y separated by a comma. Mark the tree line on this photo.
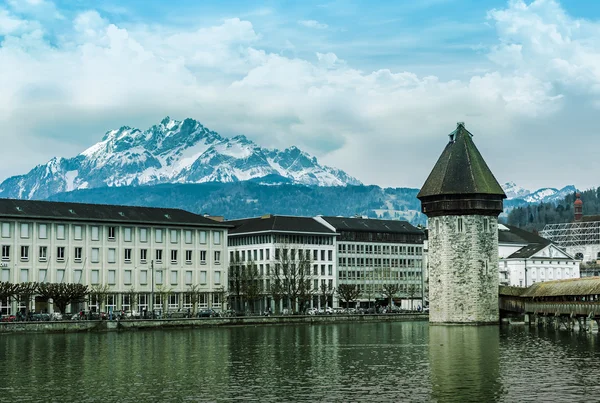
<point>536,216</point>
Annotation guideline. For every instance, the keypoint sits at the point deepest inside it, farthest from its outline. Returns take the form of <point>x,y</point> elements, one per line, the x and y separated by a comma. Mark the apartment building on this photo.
<point>271,241</point>
<point>527,258</point>
<point>372,253</point>
<point>140,257</point>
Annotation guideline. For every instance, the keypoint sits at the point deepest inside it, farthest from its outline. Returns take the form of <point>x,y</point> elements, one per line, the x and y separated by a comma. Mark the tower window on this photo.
<point>485,224</point>
<point>437,226</point>
<point>459,224</point>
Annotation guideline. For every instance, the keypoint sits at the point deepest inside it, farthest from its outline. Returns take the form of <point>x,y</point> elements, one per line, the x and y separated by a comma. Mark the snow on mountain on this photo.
<point>172,151</point>
<point>513,191</point>
<point>548,195</point>
<point>543,195</point>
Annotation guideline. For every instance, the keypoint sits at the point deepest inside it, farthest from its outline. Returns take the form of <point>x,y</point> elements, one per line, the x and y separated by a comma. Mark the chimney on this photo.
<point>578,207</point>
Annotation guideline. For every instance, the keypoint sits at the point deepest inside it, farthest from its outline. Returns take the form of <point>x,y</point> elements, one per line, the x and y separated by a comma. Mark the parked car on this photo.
<point>9,318</point>
<point>313,311</point>
<point>208,313</point>
<point>56,316</point>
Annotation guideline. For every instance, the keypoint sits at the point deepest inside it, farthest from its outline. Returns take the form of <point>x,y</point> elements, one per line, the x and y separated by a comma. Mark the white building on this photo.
<point>264,240</point>
<point>527,258</point>
<point>131,253</point>
<point>373,252</point>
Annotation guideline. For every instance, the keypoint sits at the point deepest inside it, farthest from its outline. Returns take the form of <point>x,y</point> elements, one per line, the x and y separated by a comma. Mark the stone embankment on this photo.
<point>143,324</point>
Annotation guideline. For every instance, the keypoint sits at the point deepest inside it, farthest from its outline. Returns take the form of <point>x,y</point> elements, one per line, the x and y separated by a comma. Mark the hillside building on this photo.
<point>462,200</point>
<point>373,253</point>
<point>527,258</point>
<point>140,257</point>
<point>579,238</point>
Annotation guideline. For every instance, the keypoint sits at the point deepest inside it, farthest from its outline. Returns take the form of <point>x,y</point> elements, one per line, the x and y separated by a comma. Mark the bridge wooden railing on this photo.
<point>579,308</point>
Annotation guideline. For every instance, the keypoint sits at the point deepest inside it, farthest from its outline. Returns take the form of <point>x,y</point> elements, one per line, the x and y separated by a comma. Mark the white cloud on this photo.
<point>385,127</point>
<point>313,24</point>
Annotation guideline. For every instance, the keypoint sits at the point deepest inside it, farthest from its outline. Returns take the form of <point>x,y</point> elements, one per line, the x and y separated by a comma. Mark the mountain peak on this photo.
<point>171,152</point>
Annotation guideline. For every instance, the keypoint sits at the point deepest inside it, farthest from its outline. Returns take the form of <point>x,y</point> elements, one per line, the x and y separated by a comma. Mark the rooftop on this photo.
<point>47,210</point>
<point>461,170</point>
<point>372,225</point>
<point>276,223</point>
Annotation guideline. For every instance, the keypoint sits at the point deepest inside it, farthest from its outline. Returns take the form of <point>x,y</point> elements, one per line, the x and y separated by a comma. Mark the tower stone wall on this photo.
<point>463,269</point>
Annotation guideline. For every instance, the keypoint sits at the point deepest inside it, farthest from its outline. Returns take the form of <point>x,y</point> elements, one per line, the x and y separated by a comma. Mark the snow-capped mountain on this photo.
<point>513,191</point>
<point>548,195</point>
<point>543,195</point>
<point>171,152</point>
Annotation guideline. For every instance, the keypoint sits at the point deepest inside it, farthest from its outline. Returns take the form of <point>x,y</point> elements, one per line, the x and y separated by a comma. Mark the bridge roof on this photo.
<point>569,287</point>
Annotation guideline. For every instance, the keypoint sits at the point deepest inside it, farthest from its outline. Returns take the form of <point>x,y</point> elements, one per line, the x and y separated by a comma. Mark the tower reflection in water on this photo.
<point>464,363</point>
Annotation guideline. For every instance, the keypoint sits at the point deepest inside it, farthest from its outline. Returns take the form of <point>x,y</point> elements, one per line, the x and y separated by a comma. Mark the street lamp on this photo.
<point>152,294</point>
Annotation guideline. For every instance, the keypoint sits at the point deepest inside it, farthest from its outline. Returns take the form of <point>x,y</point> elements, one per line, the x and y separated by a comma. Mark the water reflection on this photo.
<point>369,362</point>
<point>464,363</point>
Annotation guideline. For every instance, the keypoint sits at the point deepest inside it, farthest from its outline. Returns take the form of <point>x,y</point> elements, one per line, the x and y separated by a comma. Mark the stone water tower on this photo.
<point>462,199</point>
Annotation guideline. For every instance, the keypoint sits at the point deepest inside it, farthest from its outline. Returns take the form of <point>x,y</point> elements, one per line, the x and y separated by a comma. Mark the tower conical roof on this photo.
<point>461,170</point>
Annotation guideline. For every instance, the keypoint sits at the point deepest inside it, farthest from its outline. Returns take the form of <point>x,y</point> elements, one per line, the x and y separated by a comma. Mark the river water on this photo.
<point>366,362</point>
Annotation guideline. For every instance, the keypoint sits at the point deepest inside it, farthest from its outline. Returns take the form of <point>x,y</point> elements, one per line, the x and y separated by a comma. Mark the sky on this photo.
<point>370,87</point>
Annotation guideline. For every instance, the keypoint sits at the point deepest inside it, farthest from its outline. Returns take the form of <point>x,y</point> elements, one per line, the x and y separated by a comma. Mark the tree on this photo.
<point>348,292</point>
<point>389,290</point>
<point>193,294</point>
<point>7,290</point>
<point>131,294</point>
<point>24,292</point>
<point>277,292</point>
<point>292,274</point>
<point>235,279</point>
<point>412,291</point>
<point>251,284</point>
<point>325,292</point>
<point>164,292</point>
<point>63,294</point>
<point>99,294</point>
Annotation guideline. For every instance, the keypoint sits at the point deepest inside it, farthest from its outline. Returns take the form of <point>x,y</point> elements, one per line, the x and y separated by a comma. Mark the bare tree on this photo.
<point>193,294</point>
<point>235,280</point>
<point>389,290</point>
<point>164,292</point>
<point>292,273</point>
<point>277,292</point>
<point>63,294</point>
<point>324,293</point>
<point>7,290</point>
<point>251,284</point>
<point>412,291</point>
<point>348,292</point>
<point>24,292</point>
<point>99,294</point>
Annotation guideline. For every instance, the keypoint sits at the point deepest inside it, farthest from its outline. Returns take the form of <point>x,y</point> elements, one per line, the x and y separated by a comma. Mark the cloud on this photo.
<point>385,126</point>
<point>313,24</point>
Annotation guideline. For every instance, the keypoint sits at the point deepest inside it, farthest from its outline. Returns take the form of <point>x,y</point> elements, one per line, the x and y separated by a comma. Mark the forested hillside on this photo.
<point>249,199</point>
<point>534,216</point>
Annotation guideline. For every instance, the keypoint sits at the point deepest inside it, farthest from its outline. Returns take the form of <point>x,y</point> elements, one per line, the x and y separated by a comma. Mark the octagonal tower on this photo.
<point>462,199</point>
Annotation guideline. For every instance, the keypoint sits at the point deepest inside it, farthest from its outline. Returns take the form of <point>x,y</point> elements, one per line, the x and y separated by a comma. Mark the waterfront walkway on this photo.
<point>140,324</point>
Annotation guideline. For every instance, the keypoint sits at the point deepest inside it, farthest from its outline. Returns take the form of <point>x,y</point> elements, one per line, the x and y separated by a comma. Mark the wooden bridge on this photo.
<point>563,303</point>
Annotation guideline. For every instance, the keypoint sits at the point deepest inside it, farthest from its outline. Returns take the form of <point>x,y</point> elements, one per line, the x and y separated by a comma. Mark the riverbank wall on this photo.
<point>148,324</point>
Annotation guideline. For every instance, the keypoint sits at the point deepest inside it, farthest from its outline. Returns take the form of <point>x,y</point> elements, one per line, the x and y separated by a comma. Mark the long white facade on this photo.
<point>128,261</point>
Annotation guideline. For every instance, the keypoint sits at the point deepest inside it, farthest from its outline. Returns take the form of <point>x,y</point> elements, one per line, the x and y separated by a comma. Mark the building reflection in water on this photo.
<point>464,363</point>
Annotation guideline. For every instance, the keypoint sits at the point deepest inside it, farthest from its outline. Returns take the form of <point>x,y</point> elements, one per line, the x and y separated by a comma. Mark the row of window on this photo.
<point>380,249</point>
<point>144,277</point>
<point>377,262</point>
<point>284,253</point>
<point>370,275</point>
<point>112,233</point>
<point>280,239</point>
<point>111,255</point>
